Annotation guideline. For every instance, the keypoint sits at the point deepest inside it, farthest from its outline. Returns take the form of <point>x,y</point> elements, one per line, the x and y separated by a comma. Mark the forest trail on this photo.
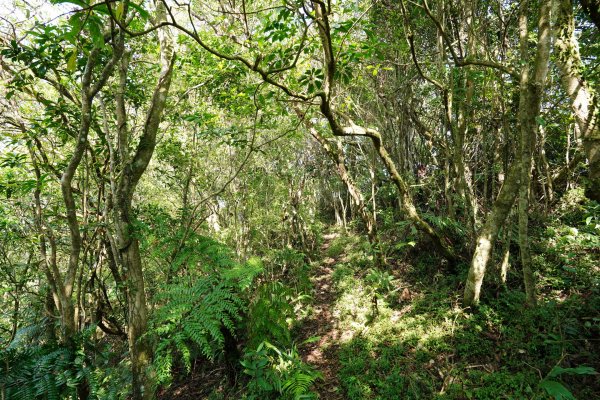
<point>323,353</point>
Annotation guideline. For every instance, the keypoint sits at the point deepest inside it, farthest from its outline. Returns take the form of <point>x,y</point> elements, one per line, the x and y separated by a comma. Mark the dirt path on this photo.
<point>323,353</point>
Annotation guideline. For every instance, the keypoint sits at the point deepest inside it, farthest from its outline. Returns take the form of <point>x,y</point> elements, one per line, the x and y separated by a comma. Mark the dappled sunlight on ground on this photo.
<point>419,343</point>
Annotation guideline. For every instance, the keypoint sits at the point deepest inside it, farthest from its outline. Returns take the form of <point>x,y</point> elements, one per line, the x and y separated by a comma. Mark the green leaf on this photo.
<point>588,220</point>
<point>581,370</point>
<point>312,339</point>
<point>540,121</point>
<point>72,61</point>
<point>76,2</point>
<point>556,390</point>
<point>75,23</point>
<point>96,34</point>
<point>137,7</point>
<point>119,10</point>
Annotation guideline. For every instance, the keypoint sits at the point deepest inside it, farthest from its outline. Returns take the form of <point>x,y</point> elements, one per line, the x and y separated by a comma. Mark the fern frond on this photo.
<point>192,317</point>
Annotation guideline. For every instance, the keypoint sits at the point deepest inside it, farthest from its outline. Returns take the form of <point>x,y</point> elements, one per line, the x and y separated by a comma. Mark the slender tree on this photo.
<point>532,81</point>
<point>584,100</point>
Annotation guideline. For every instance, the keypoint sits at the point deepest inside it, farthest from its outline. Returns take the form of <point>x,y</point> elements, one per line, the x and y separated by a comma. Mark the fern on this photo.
<point>451,227</point>
<point>44,372</point>
<point>31,370</point>
<point>191,320</point>
<point>273,370</point>
<point>270,312</point>
<point>201,304</point>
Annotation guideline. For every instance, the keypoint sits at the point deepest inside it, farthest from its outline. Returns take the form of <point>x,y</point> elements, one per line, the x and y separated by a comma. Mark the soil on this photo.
<point>322,353</point>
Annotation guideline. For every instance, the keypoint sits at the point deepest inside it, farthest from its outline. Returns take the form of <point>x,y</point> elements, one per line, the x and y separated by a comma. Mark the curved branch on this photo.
<point>459,61</point>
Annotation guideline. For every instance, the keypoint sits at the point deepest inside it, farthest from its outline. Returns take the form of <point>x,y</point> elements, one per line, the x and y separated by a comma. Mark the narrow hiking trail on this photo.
<point>323,353</point>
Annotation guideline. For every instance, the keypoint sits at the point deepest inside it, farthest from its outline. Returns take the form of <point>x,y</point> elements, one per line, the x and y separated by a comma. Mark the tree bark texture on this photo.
<point>131,170</point>
<point>517,181</point>
<point>584,102</point>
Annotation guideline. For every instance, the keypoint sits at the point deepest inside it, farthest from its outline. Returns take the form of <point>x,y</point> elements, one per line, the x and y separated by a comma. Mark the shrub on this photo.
<point>278,373</point>
<point>192,318</point>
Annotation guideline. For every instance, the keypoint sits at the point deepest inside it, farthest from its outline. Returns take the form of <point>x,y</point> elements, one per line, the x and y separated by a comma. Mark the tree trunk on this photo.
<point>517,181</point>
<point>488,234</point>
<point>545,168</point>
<point>137,322</point>
<point>323,25</point>
<point>130,171</point>
<point>460,127</point>
<point>583,101</point>
<point>532,91</point>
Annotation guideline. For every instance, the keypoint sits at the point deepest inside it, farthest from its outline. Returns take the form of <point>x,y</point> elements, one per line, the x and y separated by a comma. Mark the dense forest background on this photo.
<point>299,199</point>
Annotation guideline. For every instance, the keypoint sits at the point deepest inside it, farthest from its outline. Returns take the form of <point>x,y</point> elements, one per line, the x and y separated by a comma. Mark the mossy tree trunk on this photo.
<point>532,90</point>
<point>126,173</point>
<point>584,102</point>
<point>517,181</point>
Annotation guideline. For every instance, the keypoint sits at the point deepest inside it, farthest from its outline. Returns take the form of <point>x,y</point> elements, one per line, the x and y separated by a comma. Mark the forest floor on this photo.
<point>420,343</point>
<point>322,352</point>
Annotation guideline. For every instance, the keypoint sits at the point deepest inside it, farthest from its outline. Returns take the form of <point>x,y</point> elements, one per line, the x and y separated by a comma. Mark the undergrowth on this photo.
<point>421,344</point>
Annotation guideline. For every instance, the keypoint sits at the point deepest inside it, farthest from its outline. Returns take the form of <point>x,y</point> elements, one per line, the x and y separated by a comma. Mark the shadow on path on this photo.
<point>323,353</point>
